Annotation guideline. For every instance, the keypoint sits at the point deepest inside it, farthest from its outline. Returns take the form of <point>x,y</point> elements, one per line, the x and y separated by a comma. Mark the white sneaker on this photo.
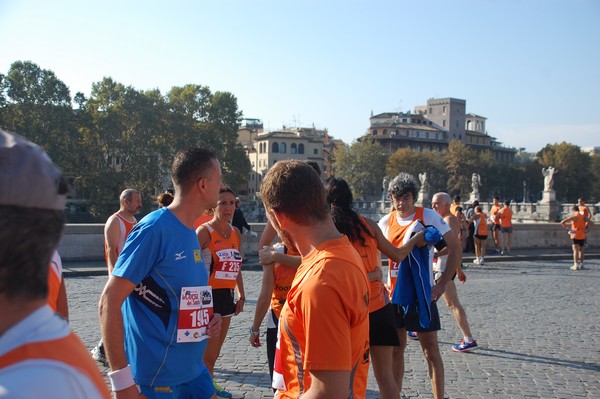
<point>476,261</point>
<point>98,353</point>
<point>481,261</point>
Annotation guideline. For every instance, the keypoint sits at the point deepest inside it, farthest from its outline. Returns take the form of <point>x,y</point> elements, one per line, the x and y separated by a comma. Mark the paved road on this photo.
<point>536,323</point>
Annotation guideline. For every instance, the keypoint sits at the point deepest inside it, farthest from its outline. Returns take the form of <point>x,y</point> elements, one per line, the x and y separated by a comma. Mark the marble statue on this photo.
<point>549,177</point>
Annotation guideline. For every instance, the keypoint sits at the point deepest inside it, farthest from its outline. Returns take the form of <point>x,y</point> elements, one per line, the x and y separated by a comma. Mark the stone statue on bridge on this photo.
<point>423,197</point>
<point>423,180</point>
<point>549,177</point>
<point>475,183</point>
<point>384,183</point>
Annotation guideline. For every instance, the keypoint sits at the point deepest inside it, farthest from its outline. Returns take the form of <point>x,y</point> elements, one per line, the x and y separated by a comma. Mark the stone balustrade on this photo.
<point>523,212</point>
<point>86,241</point>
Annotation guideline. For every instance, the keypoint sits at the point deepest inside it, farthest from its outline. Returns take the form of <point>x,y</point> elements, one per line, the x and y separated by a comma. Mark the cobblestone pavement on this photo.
<point>535,322</point>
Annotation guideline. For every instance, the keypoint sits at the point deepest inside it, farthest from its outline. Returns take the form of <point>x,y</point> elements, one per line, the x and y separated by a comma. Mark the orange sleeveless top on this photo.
<point>226,259</point>
<point>505,217</point>
<point>125,226</point>
<point>481,224</point>
<point>396,237</point>
<point>369,253</point>
<point>578,228</point>
<point>68,350</point>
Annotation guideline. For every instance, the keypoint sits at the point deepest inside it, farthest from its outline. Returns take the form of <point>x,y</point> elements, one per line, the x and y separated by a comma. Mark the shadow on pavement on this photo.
<point>498,353</point>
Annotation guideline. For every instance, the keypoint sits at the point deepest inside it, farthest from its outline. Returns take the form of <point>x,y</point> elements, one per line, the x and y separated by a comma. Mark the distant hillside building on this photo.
<point>432,126</point>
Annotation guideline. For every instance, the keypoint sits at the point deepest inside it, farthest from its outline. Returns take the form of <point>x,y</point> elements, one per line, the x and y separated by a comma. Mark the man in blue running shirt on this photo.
<point>142,312</point>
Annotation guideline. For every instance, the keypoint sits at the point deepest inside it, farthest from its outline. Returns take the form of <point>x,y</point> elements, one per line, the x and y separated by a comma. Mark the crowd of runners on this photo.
<point>176,282</point>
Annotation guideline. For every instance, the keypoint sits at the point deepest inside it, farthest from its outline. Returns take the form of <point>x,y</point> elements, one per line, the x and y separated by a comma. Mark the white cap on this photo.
<point>28,178</point>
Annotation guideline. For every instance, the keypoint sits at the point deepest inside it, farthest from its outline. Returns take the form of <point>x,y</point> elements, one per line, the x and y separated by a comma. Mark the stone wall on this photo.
<point>86,241</point>
<point>531,212</point>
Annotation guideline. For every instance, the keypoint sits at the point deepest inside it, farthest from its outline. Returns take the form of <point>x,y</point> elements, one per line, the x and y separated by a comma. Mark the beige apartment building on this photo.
<point>264,149</point>
<point>431,127</point>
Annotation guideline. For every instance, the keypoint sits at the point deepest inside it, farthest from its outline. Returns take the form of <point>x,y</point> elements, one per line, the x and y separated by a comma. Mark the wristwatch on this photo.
<point>253,333</point>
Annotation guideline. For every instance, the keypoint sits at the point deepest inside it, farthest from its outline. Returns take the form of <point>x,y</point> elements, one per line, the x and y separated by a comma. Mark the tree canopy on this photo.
<point>578,172</point>
<point>575,176</point>
<point>119,137</point>
<point>362,165</point>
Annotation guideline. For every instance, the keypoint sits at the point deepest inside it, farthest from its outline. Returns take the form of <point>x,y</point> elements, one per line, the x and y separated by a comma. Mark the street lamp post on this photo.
<point>524,191</point>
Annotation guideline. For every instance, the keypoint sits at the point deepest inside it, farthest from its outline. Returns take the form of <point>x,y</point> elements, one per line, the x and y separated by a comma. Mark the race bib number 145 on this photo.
<point>195,311</point>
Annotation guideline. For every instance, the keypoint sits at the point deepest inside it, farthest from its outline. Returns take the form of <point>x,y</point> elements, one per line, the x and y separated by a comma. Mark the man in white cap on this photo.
<point>40,357</point>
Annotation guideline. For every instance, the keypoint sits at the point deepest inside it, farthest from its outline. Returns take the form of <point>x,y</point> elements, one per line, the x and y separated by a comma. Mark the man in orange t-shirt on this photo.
<point>323,345</point>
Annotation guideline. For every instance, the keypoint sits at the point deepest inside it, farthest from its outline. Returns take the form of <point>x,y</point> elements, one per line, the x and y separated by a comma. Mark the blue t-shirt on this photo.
<point>160,256</point>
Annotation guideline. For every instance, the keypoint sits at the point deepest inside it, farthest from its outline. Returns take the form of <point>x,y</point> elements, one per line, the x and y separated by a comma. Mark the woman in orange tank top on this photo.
<point>480,235</point>
<point>368,240</point>
<point>220,244</point>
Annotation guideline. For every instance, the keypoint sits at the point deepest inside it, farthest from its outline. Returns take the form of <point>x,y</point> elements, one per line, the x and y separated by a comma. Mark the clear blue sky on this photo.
<point>531,67</point>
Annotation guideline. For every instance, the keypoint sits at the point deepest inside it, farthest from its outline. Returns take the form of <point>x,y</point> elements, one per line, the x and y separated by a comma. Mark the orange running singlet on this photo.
<point>396,237</point>
<point>481,225</point>
<point>369,254</point>
<point>68,350</point>
<point>125,228</point>
<point>578,228</point>
<point>505,217</point>
<point>226,259</point>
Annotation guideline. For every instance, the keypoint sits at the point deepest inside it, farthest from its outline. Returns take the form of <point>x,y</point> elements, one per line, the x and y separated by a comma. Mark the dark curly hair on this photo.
<point>347,221</point>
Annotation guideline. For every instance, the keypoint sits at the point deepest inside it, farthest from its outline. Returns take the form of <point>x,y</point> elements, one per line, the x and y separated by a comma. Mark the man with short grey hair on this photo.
<point>441,204</point>
<point>397,226</point>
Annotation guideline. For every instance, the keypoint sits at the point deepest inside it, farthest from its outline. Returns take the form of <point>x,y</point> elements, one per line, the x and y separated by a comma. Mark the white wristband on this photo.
<point>121,379</point>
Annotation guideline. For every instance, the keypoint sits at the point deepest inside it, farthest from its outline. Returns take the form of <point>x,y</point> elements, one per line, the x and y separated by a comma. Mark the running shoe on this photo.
<point>574,267</point>
<point>465,346</point>
<point>412,335</point>
<point>481,261</point>
<point>580,266</point>
<point>221,393</point>
<point>476,261</point>
<point>98,353</point>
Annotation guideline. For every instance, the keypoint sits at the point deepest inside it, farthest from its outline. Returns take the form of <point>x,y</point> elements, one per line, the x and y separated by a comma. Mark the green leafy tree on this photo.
<point>126,144</point>
<point>37,105</point>
<point>574,177</point>
<point>208,120</point>
<point>415,162</point>
<point>595,190</point>
<point>362,165</point>
<point>222,123</point>
<point>460,165</point>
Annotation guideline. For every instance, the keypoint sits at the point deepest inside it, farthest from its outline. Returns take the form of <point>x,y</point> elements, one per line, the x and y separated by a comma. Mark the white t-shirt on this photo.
<point>42,378</point>
<point>431,218</point>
